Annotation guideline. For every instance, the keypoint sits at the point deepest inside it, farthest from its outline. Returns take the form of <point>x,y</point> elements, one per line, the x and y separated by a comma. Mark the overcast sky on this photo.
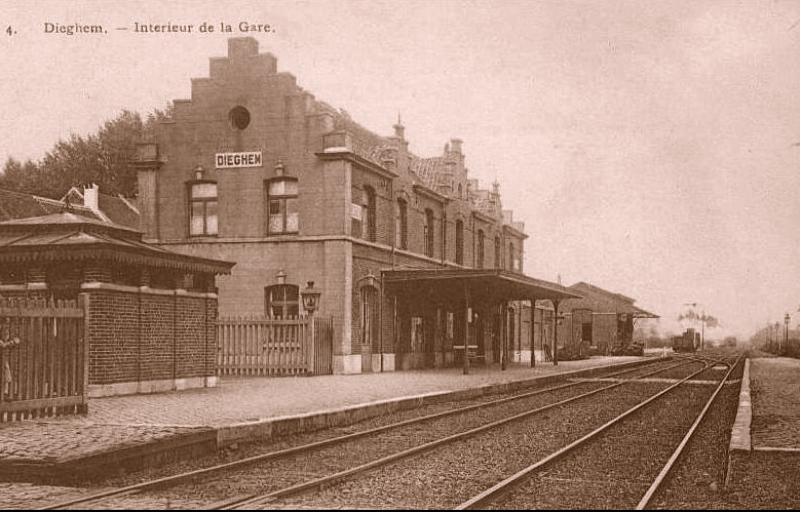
<point>651,147</point>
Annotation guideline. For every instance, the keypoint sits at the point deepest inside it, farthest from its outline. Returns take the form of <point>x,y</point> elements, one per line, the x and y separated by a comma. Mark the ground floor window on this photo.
<point>281,300</point>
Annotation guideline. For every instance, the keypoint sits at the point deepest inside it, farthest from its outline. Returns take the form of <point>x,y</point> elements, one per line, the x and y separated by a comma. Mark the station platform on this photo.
<point>242,409</point>
<point>764,451</point>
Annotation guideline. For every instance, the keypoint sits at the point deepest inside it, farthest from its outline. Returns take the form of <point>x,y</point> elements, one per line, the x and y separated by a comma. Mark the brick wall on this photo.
<point>141,336</point>
<point>113,337</point>
<point>157,337</point>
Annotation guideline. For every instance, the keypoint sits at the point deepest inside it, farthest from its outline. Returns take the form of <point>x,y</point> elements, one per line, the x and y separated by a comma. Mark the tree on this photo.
<point>709,320</point>
<point>102,158</point>
<point>18,176</point>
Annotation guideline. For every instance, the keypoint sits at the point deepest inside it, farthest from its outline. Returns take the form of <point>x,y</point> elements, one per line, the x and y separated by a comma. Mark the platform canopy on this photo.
<point>641,313</point>
<point>481,284</point>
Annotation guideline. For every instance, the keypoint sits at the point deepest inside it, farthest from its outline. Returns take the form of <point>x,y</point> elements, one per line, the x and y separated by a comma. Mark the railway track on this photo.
<point>556,479</point>
<point>439,473</point>
<point>471,419</point>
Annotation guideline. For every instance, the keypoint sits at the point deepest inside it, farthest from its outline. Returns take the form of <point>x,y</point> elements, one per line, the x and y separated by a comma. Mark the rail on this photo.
<point>178,478</point>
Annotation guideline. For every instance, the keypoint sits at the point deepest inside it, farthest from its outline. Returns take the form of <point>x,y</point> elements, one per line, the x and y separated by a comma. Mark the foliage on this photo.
<point>102,158</point>
<point>709,320</point>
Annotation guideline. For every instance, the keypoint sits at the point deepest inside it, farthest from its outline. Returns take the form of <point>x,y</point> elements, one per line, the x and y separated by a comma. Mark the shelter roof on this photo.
<point>69,237</point>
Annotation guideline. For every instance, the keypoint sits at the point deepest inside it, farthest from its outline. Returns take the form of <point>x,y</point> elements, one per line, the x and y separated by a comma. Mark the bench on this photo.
<point>472,352</point>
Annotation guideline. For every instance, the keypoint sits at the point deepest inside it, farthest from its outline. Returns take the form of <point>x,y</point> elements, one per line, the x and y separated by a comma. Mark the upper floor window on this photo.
<point>511,257</point>
<point>427,231</point>
<point>402,224</point>
<point>203,212</point>
<point>369,211</point>
<point>460,242</point>
<point>282,206</point>
<point>498,250</point>
<point>480,249</point>
<point>281,300</point>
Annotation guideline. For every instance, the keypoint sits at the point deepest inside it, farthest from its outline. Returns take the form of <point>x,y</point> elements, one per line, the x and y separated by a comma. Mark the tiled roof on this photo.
<point>430,171</point>
<point>64,218</point>
<point>597,289</point>
<point>118,210</point>
<point>624,304</point>
<point>17,205</point>
<point>115,208</point>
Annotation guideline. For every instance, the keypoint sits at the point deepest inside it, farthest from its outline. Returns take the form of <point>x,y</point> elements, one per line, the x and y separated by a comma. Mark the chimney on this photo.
<point>90,198</point>
<point>147,163</point>
<point>455,146</point>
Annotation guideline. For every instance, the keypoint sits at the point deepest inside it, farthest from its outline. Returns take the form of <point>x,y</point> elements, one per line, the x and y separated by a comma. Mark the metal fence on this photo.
<point>43,358</point>
<point>266,346</point>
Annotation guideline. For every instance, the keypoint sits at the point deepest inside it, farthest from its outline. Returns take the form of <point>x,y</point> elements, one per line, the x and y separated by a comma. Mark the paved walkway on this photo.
<point>775,389</point>
<point>124,421</point>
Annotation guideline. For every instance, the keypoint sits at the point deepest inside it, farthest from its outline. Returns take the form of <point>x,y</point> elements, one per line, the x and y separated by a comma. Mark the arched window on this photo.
<point>428,232</point>
<point>282,206</point>
<point>460,242</point>
<point>402,224</point>
<point>498,256</point>
<point>460,191</point>
<point>369,317</point>
<point>480,249</point>
<point>281,300</point>
<point>369,203</point>
<point>203,219</point>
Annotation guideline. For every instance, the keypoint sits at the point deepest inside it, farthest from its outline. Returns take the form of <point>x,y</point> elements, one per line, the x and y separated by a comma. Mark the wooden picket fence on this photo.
<point>259,345</point>
<point>43,358</point>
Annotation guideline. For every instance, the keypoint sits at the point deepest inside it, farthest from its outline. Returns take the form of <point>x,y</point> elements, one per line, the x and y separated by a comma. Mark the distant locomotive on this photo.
<point>689,341</point>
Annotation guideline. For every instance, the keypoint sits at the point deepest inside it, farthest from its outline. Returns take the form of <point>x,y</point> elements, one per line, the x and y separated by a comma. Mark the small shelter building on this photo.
<point>150,312</point>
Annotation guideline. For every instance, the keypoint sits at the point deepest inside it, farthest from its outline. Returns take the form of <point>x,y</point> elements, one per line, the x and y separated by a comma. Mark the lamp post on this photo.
<point>786,332</point>
<point>310,297</point>
<point>556,322</point>
<point>778,337</point>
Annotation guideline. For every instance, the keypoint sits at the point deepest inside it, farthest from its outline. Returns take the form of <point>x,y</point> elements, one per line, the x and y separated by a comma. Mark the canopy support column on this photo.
<point>503,335</point>
<point>466,329</point>
<point>533,332</point>
<point>555,331</point>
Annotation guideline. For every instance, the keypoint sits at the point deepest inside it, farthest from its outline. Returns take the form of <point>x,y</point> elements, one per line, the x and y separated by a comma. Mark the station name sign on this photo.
<point>243,159</point>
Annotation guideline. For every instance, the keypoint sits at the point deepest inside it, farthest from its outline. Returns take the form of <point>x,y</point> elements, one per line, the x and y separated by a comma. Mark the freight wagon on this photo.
<point>689,341</point>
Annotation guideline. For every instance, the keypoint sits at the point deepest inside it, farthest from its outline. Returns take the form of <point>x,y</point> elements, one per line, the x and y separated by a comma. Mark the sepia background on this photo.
<point>651,148</point>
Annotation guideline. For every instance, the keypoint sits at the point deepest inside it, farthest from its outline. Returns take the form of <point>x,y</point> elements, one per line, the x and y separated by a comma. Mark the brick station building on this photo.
<point>151,312</point>
<point>408,251</point>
